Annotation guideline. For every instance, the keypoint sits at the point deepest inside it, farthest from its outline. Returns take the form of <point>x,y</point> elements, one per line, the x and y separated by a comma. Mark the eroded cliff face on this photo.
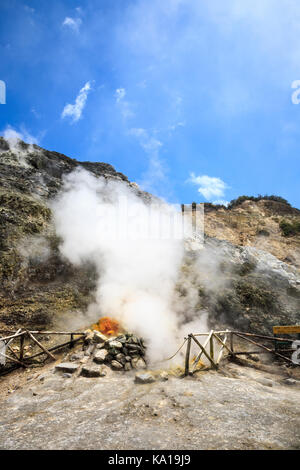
<point>247,275</point>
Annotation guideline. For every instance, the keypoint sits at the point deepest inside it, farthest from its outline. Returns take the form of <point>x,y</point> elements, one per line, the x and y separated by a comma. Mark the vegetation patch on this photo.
<point>253,296</point>
<point>289,229</point>
<point>241,199</point>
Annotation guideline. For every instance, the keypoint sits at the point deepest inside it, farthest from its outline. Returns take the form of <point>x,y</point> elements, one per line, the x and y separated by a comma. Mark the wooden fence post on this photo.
<point>187,356</point>
<point>211,347</point>
<point>22,338</point>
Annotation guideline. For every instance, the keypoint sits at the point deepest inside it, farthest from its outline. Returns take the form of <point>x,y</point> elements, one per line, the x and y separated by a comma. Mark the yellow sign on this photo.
<point>286,330</point>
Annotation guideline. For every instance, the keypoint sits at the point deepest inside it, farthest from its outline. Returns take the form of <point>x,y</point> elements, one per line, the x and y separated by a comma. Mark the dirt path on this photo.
<point>236,408</point>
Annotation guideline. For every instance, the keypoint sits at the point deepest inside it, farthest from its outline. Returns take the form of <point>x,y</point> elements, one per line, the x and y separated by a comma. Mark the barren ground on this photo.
<point>238,407</point>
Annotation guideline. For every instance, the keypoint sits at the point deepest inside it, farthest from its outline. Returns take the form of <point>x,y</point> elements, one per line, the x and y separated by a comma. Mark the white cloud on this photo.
<point>148,143</point>
<point>74,111</point>
<point>125,106</point>
<point>209,186</point>
<point>72,23</point>
<point>120,94</point>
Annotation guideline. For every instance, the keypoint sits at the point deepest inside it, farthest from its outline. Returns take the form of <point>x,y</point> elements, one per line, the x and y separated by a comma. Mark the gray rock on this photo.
<point>76,356</point>
<point>122,339</point>
<point>100,356</point>
<point>99,337</point>
<point>89,350</point>
<point>163,376</point>
<point>127,366</point>
<point>67,375</point>
<point>290,381</point>
<point>144,378</point>
<point>93,371</point>
<point>67,367</point>
<point>116,365</point>
<point>138,363</point>
<point>121,358</point>
<point>89,334</point>
<point>115,344</point>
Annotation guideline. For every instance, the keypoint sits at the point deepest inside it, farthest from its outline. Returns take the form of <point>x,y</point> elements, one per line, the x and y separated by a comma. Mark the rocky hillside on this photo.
<point>247,276</point>
<point>266,224</point>
<point>36,283</point>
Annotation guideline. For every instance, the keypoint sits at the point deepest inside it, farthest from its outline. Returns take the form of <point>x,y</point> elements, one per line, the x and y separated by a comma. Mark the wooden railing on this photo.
<point>17,355</point>
<point>225,339</point>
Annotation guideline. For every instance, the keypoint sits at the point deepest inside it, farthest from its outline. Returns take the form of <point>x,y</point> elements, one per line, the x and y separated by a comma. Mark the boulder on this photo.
<point>138,363</point>
<point>100,356</point>
<point>116,365</point>
<point>93,371</point>
<point>121,358</point>
<point>99,338</point>
<point>144,378</point>
<point>115,344</point>
<point>89,334</point>
<point>69,367</point>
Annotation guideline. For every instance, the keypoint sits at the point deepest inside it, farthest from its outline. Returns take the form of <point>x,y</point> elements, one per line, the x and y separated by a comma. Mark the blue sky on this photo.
<point>189,98</point>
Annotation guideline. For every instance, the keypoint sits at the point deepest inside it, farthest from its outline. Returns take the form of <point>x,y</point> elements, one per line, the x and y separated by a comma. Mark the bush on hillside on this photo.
<point>289,228</point>
<point>241,199</point>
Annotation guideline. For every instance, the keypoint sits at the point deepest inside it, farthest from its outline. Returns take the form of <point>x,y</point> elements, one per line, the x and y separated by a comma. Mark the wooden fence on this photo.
<point>225,342</point>
<point>13,348</point>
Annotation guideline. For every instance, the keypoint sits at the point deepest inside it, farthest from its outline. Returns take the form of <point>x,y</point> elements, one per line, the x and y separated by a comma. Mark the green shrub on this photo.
<point>241,199</point>
<point>289,228</point>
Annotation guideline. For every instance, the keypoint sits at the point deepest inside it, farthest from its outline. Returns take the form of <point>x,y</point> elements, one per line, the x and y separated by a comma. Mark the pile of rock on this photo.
<point>123,352</point>
<point>100,353</point>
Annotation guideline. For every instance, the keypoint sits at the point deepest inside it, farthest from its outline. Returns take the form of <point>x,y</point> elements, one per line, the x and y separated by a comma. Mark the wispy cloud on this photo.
<point>124,105</point>
<point>154,178</point>
<point>74,111</point>
<point>209,186</point>
<point>149,143</point>
<point>72,23</point>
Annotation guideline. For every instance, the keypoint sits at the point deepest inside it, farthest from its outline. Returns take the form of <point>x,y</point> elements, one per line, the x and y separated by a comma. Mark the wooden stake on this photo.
<point>201,352</point>
<point>222,348</point>
<point>222,343</point>
<point>54,348</point>
<point>41,346</point>
<point>187,356</point>
<point>205,353</point>
<point>264,347</point>
<point>22,339</point>
<point>13,360</point>
<point>231,342</point>
<point>211,347</point>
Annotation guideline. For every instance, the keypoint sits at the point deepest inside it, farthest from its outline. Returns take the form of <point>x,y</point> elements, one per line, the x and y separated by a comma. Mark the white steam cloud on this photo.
<point>137,275</point>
